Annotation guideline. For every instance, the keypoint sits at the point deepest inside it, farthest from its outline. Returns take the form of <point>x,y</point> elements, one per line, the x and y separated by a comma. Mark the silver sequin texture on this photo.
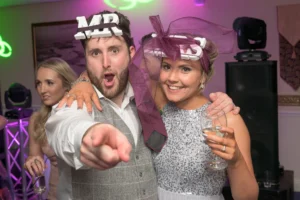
<point>181,165</point>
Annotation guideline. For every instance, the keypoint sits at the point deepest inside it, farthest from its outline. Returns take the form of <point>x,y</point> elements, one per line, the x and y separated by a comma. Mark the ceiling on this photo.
<point>5,3</point>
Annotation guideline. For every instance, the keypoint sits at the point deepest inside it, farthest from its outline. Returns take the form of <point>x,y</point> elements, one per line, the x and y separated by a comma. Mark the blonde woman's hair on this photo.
<point>212,53</point>
<point>67,75</point>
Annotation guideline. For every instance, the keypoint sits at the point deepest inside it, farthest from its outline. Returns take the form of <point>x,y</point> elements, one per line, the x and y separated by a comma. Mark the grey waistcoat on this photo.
<point>127,181</point>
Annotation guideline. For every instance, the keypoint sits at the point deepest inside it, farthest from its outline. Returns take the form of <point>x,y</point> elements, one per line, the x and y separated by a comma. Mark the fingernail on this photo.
<point>205,135</point>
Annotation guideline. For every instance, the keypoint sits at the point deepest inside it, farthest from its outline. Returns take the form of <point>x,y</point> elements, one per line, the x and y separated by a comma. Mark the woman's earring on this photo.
<point>202,86</point>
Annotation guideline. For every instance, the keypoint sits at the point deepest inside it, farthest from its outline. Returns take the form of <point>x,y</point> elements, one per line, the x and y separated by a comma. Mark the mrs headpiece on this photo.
<point>186,38</point>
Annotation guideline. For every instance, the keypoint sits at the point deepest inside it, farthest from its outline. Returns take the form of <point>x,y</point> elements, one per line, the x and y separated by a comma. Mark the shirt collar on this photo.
<point>128,92</point>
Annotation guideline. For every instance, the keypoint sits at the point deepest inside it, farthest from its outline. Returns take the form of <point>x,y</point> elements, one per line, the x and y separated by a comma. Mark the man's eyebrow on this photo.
<point>114,46</point>
<point>93,49</point>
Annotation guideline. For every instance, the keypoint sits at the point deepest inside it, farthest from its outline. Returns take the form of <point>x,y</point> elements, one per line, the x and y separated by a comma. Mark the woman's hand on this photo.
<point>35,165</point>
<point>224,147</point>
<point>83,92</point>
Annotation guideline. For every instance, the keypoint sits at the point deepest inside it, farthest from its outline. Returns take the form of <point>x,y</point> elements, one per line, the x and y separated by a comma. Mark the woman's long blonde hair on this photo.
<point>67,75</point>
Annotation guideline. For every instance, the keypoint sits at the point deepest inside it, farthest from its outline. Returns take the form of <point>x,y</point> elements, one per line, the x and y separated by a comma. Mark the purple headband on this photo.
<point>189,34</point>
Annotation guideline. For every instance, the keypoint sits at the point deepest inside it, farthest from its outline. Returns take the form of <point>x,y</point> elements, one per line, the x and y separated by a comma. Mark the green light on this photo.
<point>130,4</point>
<point>110,4</point>
<point>3,46</point>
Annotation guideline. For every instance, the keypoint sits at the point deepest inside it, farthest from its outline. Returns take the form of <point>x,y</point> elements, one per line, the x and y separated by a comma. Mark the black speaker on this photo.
<point>253,87</point>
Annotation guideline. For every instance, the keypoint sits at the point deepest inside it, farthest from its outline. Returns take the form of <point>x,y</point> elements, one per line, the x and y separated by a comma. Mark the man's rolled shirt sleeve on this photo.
<point>65,129</point>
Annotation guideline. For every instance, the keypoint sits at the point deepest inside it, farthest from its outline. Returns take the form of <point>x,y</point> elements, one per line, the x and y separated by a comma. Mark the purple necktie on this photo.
<point>154,130</point>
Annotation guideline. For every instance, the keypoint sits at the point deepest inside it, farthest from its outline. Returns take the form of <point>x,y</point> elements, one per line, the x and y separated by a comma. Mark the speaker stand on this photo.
<point>252,55</point>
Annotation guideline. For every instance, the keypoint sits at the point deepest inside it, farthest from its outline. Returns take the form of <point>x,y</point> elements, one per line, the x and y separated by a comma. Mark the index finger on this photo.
<point>96,101</point>
<point>88,103</point>
<point>216,102</point>
<point>225,106</point>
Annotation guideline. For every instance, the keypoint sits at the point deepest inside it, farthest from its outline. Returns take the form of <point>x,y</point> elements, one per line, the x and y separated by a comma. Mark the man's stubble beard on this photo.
<point>111,93</point>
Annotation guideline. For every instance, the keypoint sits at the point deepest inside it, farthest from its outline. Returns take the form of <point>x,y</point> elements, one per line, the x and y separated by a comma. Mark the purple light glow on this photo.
<point>16,140</point>
<point>12,124</point>
<point>199,2</point>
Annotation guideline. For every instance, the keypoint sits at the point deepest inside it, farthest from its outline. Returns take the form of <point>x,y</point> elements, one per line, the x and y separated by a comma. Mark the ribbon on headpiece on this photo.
<point>169,45</point>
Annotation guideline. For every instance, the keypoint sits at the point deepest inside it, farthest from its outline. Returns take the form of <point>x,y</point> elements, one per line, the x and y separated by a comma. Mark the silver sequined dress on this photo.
<point>180,166</point>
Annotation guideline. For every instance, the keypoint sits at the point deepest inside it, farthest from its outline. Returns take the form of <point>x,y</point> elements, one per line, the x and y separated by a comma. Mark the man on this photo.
<point>95,145</point>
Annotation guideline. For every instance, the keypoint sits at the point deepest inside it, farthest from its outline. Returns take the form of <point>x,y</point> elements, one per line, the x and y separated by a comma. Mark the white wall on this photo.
<point>15,27</point>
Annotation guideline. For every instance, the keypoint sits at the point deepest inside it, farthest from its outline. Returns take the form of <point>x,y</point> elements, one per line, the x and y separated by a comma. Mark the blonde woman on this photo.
<point>53,80</point>
<point>185,63</point>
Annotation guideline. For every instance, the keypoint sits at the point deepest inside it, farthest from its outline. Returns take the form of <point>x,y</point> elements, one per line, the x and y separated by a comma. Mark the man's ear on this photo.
<point>132,51</point>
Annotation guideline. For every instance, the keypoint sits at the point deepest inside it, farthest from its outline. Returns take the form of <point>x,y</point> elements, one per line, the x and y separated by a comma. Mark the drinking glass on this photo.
<point>212,125</point>
<point>39,184</point>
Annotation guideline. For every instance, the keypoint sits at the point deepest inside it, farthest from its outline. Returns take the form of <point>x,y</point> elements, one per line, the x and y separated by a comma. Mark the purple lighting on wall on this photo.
<point>199,2</point>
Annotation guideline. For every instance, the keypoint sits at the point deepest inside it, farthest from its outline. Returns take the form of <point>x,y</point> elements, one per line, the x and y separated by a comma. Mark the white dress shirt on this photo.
<point>66,127</point>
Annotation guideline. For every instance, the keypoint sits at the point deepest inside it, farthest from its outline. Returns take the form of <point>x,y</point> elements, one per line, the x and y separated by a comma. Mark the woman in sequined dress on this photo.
<point>181,165</point>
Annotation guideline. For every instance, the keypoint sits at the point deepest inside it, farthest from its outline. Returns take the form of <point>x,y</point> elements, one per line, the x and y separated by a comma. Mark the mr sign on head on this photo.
<point>105,25</point>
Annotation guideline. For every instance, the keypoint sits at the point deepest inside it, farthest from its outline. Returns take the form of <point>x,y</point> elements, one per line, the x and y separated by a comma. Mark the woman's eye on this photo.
<point>165,67</point>
<point>186,69</point>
